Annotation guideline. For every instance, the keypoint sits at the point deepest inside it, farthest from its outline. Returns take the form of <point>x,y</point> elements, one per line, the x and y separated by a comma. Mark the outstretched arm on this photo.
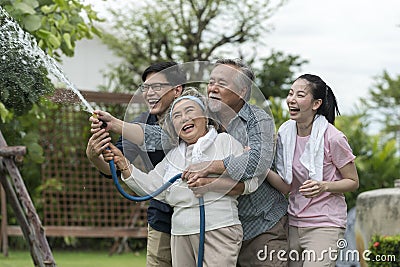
<point>148,137</point>
<point>131,131</point>
<point>254,162</point>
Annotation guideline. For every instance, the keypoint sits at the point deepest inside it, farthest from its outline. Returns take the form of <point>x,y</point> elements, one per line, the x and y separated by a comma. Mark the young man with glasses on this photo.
<point>162,83</point>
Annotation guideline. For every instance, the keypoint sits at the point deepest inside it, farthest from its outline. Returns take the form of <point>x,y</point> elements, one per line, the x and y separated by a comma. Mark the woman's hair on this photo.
<point>320,90</point>
<point>167,124</point>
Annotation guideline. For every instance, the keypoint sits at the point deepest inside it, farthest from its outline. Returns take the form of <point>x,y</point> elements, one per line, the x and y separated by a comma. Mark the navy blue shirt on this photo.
<point>158,213</point>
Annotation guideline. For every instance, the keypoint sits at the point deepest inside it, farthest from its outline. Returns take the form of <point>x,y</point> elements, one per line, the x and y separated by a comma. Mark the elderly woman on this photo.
<point>197,141</point>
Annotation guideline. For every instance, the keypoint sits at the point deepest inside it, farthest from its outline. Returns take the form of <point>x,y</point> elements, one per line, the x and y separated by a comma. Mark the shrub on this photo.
<point>385,251</point>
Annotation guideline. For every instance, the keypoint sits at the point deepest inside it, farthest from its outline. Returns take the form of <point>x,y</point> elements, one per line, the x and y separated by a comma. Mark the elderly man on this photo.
<point>262,209</point>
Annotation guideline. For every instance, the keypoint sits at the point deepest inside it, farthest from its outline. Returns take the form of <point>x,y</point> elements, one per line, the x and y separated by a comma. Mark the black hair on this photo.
<point>173,72</point>
<point>320,90</point>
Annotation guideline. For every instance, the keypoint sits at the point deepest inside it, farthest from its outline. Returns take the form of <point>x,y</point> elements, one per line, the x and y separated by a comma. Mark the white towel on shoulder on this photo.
<point>313,155</point>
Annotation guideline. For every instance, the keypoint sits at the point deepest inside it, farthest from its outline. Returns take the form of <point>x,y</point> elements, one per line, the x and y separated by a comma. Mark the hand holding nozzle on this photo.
<point>104,120</point>
<point>96,121</point>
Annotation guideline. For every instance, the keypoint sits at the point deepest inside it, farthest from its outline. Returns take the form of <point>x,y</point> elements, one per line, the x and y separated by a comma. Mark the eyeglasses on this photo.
<point>154,86</point>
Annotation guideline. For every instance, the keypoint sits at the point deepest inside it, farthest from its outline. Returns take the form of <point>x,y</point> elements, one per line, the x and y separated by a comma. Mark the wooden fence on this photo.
<point>77,201</point>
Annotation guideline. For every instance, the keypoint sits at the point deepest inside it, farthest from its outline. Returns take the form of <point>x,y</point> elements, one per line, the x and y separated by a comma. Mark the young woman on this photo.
<point>317,166</point>
<point>198,141</point>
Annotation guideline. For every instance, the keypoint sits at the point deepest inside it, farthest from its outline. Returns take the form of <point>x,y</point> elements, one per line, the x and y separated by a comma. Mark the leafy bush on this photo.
<point>376,156</point>
<point>27,28</point>
<point>385,251</point>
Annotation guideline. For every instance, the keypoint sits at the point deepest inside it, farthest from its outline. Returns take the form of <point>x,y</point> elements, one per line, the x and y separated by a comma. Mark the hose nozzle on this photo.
<point>103,125</point>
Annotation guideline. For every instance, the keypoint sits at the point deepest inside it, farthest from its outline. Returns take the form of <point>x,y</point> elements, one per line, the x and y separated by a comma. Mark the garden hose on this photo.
<point>155,193</point>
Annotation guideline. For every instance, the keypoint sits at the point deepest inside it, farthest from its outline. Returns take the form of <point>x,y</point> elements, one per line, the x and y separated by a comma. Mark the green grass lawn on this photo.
<point>77,259</point>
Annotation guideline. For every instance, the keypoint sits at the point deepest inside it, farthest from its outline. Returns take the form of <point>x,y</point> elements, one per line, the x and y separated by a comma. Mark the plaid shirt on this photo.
<point>262,209</point>
<point>252,127</point>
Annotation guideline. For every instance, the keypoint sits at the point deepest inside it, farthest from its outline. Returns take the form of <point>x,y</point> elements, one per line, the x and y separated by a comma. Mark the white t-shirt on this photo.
<point>220,209</point>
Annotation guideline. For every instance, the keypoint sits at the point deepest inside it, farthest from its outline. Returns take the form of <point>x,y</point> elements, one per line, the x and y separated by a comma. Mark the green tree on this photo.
<point>277,73</point>
<point>376,160</point>
<point>384,103</point>
<point>55,24</point>
<point>183,31</point>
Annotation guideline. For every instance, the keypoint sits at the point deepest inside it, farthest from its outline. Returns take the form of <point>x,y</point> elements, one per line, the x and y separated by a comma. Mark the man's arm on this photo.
<point>154,138</point>
<point>254,162</point>
<point>258,159</point>
<point>148,137</point>
<point>225,186</point>
<point>131,131</point>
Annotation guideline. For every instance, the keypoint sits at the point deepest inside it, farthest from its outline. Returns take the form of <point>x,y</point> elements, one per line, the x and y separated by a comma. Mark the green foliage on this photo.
<point>277,73</point>
<point>385,251</point>
<point>182,31</point>
<point>52,26</point>
<point>56,24</point>
<point>384,102</point>
<point>21,86</point>
<point>24,130</point>
<point>376,160</point>
<point>280,113</point>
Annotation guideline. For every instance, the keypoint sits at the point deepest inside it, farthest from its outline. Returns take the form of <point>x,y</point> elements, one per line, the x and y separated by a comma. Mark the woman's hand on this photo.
<point>312,188</point>
<point>97,143</point>
<point>348,183</point>
<point>113,153</point>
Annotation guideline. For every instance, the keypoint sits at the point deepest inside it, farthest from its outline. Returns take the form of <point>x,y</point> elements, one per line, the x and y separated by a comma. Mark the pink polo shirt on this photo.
<point>327,209</point>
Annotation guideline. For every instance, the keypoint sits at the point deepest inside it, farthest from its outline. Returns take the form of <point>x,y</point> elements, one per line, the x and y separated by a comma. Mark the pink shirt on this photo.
<point>328,209</point>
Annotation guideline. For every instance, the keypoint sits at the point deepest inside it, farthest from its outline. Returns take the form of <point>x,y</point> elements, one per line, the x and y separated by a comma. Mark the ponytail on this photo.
<point>329,107</point>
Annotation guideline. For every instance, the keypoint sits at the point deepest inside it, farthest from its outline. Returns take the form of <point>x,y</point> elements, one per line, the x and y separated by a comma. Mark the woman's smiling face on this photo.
<point>301,103</point>
<point>189,121</point>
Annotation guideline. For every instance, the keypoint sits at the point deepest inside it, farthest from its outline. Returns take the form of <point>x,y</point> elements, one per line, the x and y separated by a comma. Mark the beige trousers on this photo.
<point>158,249</point>
<point>315,246</point>
<point>221,248</point>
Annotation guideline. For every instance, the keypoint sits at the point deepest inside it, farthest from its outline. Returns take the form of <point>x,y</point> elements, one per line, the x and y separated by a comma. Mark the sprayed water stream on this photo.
<point>13,37</point>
